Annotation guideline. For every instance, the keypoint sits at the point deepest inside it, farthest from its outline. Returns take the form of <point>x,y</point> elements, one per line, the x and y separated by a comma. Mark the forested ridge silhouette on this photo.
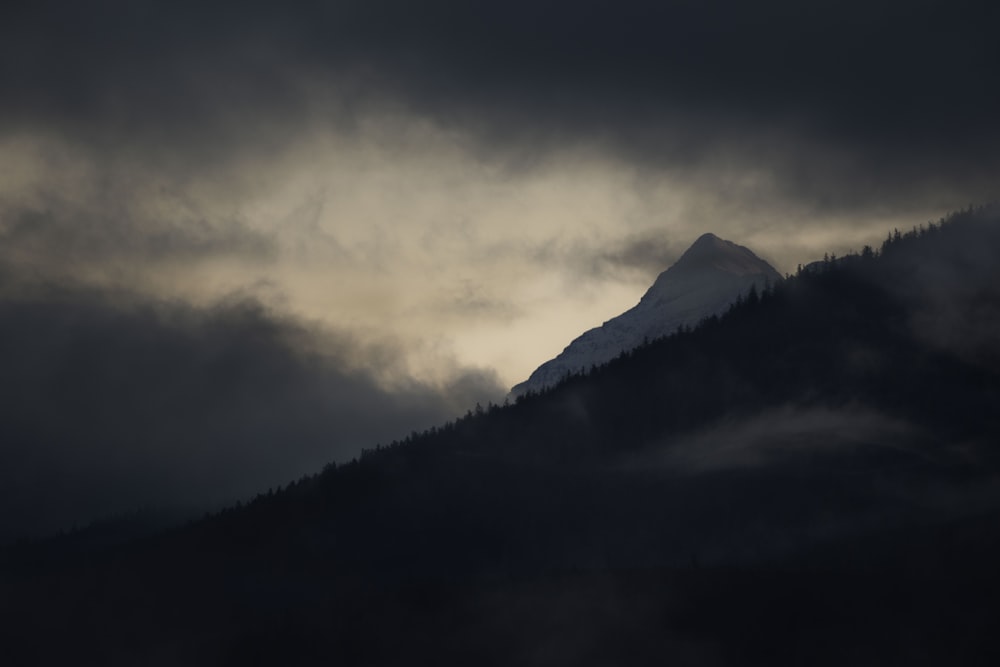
<point>809,478</point>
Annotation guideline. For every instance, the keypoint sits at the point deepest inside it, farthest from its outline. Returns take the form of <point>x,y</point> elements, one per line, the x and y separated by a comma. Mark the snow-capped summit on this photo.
<point>711,252</point>
<point>706,279</point>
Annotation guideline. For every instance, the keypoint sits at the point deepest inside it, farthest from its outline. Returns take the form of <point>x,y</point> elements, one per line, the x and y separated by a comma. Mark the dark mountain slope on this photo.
<point>808,479</point>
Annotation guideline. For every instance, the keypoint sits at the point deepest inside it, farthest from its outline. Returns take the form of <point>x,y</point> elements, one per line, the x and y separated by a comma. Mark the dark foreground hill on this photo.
<point>811,478</point>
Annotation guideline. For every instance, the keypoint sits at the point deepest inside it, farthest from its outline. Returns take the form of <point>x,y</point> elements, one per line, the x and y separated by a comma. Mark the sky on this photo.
<point>240,240</point>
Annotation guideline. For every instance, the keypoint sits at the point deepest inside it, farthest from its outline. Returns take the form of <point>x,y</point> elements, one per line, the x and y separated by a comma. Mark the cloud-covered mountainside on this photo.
<point>707,278</point>
<point>809,478</point>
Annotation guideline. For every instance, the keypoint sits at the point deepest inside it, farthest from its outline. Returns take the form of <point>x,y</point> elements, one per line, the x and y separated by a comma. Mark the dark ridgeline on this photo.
<point>806,479</point>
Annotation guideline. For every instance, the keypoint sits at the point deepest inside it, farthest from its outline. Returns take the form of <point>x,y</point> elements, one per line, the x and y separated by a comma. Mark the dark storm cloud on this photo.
<point>56,232</point>
<point>848,102</point>
<point>110,401</point>
<point>647,254</point>
<point>636,257</point>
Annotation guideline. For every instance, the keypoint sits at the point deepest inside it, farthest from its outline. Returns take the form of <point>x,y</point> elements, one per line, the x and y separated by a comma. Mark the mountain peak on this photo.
<point>712,252</point>
<point>707,238</point>
<point>708,277</point>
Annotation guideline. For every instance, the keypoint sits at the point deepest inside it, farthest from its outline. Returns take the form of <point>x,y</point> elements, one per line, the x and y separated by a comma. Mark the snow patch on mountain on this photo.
<point>707,278</point>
